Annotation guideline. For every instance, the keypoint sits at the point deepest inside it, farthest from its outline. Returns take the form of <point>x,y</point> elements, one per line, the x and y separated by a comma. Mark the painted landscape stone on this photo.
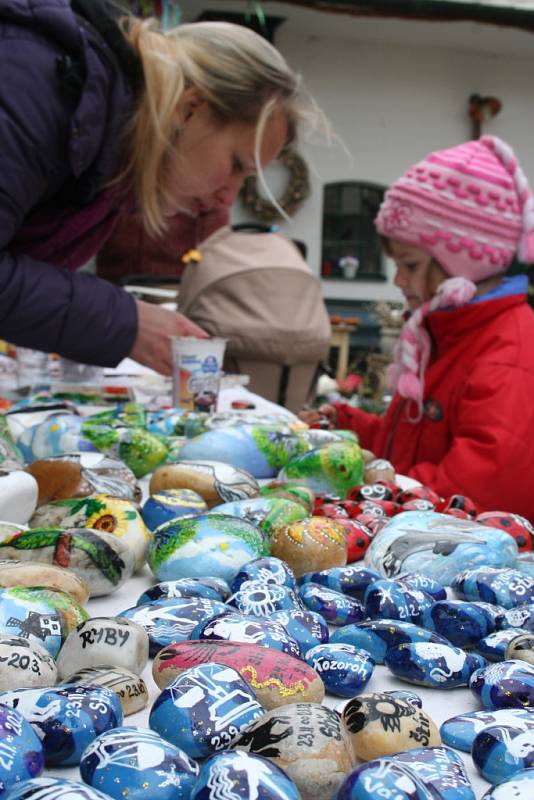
<point>290,490</point>
<point>18,496</point>
<point>139,449</point>
<point>129,687</point>
<point>276,678</point>
<point>336,608</point>
<point>307,627</point>
<point>24,573</point>
<point>47,788</point>
<point>169,504</point>
<point>250,776</point>
<point>505,587</point>
<point>434,665</point>
<point>141,761</point>
<point>460,731</point>
<point>236,627</point>
<point>520,646</point>
<point>499,751</point>
<point>204,709</point>
<point>349,579</point>
<point>308,741</point>
<point>66,718</point>
<point>211,588</point>
<point>332,469</point>
<point>25,663</point>
<point>437,545</point>
<point>104,640</point>
<point>21,752</point>
<point>56,435</point>
<point>205,544</point>
<point>268,569</point>
<point>315,543</point>
<point>100,559</point>
<point>268,513</point>
<point>509,684</point>
<point>380,725</point>
<point>345,670</point>
<point>380,635</point>
<point>215,481</point>
<point>263,599</point>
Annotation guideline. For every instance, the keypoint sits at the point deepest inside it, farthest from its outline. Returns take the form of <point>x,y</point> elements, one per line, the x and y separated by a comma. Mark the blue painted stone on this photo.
<point>169,621</point>
<point>236,627</point>
<point>521,617</point>
<point>261,599</point>
<point>183,587</point>
<point>21,752</point>
<point>415,580</point>
<point>166,421</point>
<point>437,545</point>
<point>248,775</point>
<point>500,750</point>
<point>345,670</point>
<point>267,513</point>
<point>462,623</point>
<point>496,614</point>
<point>378,636</point>
<point>493,647</point>
<point>28,613</point>
<point>268,569</point>
<point>386,599</point>
<point>336,608</point>
<point>47,788</point>
<point>169,504</point>
<point>306,627</point>
<point>460,731</point>
<point>433,665</point>
<point>525,563</point>
<point>349,580</point>
<point>67,718</point>
<point>505,586</point>
<point>383,778</point>
<point>519,787</point>
<point>141,761</point>
<point>509,684</point>
<point>408,697</point>
<point>54,436</point>
<point>204,709</point>
<point>441,770</point>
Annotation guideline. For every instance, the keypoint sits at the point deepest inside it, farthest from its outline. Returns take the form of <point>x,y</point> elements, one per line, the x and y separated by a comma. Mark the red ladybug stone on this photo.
<point>370,491</point>
<point>419,493</point>
<point>458,501</point>
<point>333,510</point>
<point>358,538</point>
<point>418,504</point>
<point>372,521</point>
<point>458,512</point>
<point>517,526</point>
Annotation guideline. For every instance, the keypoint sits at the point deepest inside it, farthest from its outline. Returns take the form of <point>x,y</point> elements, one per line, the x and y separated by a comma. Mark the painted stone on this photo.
<point>319,437</point>
<point>379,636</point>
<point>236,627</point>
<point>204,544</point>
<point>267,569</point>
<point>169,621</point>
<point>166,421</point>
<point>141,761</point>
<point>520,617</point>
<point>414,580</point>
<point>358,538</point>
<point>332,469</point>
<point>513,524</point>
<point>8,529</point>
<point>386,778</point>
<point>345,670</point>
<point>290,490</point>
<point>349,579</point>
<point>40,616</point>
<point>409,697</point>
<point>21,752</point>
<point>336,608</point>
<point>439,769</point>
<point>215,481</point>
<point>276,678</point>
<point>307,627</point>
<point>67,718</point>
<point>262,599</point>
<point>316,542</point>
<point>169,504</point>
<point>101,513</point>
<point>520,646</point>
<point>18,496</point>
<point>211,588</point>
<point>380,725</point>
<point>204,709</point>
<point>104,640</point>
<point>249,776</point>
<point>437,545</point>
<point>25,573</point>
<point>499,751</point>
<point>460,731</point>
<point>494,646</point>
<point>46,788</point>
<point>505,587</point>
<point>525,564</point>
<point>82,474</point>
<point>139,449</point>
<point>433,665</point>
<point>56,435</point>
<point>100,559</point>
<point>11,457</point>
<point>267,513</point>
<point>461,622</point>
<point>130,688</point>
<point>308,741</point>
<point>509,684</point>
<point>385,599</point>
<point>25,663</point>
<point>519,787</point>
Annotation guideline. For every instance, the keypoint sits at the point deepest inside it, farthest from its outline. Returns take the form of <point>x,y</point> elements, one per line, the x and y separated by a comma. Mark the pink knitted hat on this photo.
<point>472,210</point>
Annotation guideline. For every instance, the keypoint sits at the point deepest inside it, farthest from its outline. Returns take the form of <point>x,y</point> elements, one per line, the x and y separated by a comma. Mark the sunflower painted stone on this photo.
<point>22,752</point>
<point>204,544</point>
<point>248,775</point>
<point>215,481</point>
<point>268,513</point>
<point>332,469</point>
<point>25,663</point>
<point>100,559</point>
<point>170,504</point>
<point>54,436</point>
<point>100,512</point>
<point>315,543</point>
<point>290,491</point>
<point>140,450</point>
<point>130,688</point>
<point>18,496</point>
<point>104,640</point>
<point>276,678</point>
<point>48,576</point>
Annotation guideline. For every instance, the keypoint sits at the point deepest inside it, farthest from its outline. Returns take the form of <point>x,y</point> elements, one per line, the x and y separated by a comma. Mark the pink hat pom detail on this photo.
<point>410,387</point>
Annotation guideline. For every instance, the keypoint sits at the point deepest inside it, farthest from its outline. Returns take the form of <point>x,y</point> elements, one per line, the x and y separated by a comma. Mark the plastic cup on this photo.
<point>196,372</point>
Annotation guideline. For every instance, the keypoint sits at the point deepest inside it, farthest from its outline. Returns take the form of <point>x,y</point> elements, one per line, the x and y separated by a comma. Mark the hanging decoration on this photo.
<point>297,190</point>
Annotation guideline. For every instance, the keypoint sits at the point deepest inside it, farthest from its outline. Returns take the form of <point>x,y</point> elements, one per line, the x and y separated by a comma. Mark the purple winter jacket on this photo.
<point>58,150</point>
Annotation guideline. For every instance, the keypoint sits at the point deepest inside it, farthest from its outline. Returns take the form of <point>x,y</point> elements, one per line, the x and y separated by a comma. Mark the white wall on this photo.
<point>391,104</point>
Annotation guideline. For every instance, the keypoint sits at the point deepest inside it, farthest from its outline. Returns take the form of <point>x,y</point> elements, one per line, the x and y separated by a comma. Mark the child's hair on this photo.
<point>241,75</point>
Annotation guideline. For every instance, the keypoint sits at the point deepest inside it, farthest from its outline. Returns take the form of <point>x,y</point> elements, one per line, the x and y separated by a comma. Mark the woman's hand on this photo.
<point>155,326</point>
<point>324,415</point>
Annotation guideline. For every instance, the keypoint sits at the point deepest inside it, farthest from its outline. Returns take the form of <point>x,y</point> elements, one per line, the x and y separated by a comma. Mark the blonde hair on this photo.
<point>242,77</point>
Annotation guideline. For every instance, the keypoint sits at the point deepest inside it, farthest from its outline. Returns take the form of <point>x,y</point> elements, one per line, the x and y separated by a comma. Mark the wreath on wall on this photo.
<point>297,190</point>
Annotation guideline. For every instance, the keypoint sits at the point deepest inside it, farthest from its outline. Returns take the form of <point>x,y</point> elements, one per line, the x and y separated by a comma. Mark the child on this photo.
<point>462,418</point>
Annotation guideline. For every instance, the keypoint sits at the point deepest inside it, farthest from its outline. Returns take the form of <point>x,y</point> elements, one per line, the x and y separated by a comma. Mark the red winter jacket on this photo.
<point>477,436</point>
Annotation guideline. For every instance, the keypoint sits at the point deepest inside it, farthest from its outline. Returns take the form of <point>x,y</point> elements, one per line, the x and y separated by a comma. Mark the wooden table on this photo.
<point>340,338</point>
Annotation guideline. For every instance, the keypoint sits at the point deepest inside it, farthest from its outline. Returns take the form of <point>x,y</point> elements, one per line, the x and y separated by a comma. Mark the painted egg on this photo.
<point>166,421</point>
<point>414,580</point>
<point>169,504</point>
<point>236,627</point>
<point>385,776</point>
<point>268,569</point>
<point>268,513</point>
<point>22,756</point>
<point>104,640</point>
<point>204,544</point>
<point>248,775</point>
<point>431,664</point>
<point>500,751</point>
<point>315,543</point>
<point>520,617</point>
<point>56,435</point>
<point>344,669</point>
<point>215,481</point>
<point>495,646</point>
<point>379,636</point>
<point>333,468</point>
<point>509,684</point>
<point>520,786</point>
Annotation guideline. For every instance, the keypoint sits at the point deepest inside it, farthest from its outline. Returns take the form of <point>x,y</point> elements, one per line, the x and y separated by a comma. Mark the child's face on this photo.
<point>418,275</point>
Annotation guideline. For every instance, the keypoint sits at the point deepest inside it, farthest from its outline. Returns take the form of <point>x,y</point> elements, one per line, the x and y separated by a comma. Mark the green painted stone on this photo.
<point>332,469</point>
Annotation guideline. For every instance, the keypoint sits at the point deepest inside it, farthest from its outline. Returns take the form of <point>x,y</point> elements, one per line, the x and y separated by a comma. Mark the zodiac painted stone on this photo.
<point>140,760</point>
<point>204,709</point>
<point>215,481</point>
<point>25,663</point>
<point>308,741</point>
<point>434,665</point>
<point>236,775</point>
<point>263,599</point>
<point>409,697</point>
<point>129,688</point>
<point>440,769</point>
<point>386,776</point>
<point>67,718</point>
<point>525,563</point>
<point>275,677</point>
<point>351,580</point>
<point>437,545</point>
<point>267,513</point>
<point>520,646</point>
<point>169,504</point>
<point>307,627</point>
<point>460,731</point>
<point>21,752</point>
<point>414,580</point>
<point>24,573</point>
<point>315,542</point>
<point>236,627</point>
<point>345,670</point>
<point>509,684</point>
<point>45,788</point>
<point>211,588</point>
<point>18,496</point>
<point>494,646</point>
<point>462,623</point>
<point>332,469</point>
<point>520,786</point>
<point>204,544</point>
<point>268,569</point>
<point>385,599</point>
<point>499,751</point>
<point>505,587</point>
<point>379,636</point>
<point>104,640</point>
<point>336,608</point>
<point>520,617</point>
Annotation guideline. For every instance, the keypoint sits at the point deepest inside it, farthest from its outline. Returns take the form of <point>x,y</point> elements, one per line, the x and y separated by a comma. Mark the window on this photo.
<point>351,245</point>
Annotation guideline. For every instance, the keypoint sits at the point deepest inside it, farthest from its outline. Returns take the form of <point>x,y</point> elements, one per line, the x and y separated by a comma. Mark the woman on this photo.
<point>101,116</point>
